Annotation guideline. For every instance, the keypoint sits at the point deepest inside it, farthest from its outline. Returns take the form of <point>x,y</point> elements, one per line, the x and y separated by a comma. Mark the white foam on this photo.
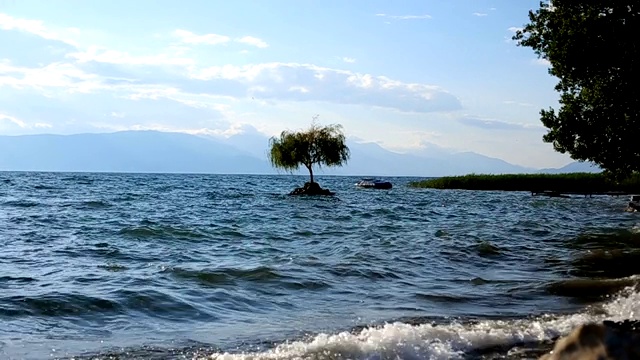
<point>624,306</point>
<point>447,341</point>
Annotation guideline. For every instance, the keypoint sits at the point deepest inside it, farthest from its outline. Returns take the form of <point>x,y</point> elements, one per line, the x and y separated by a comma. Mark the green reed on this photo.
<point>584,183</point>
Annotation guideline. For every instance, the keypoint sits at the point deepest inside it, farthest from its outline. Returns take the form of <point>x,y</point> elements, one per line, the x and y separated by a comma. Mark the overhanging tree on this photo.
<point>593,48</point>
<point>317,146</point>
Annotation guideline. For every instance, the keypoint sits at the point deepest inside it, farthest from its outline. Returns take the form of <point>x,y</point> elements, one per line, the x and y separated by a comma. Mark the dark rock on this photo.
<point>608,340</point>
<point>311,188</point>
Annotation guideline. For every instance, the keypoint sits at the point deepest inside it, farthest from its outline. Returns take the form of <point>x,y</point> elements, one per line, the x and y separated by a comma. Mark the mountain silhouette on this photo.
<point>243,153</point>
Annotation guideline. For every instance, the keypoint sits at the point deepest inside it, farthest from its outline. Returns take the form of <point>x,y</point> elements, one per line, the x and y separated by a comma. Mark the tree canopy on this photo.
<point>318,145</point>
<point>593,48</point>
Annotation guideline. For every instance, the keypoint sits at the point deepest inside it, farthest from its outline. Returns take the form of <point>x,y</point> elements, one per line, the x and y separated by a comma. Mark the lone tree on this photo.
<point>593,48</point>
<point>317,146</point>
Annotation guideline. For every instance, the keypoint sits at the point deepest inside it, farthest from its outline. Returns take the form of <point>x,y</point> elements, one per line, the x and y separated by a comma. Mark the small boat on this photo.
<point>634,203</point>
<point>374,184</point>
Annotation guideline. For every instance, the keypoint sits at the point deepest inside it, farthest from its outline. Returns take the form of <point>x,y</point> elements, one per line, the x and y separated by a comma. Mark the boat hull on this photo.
<point>375,185</point>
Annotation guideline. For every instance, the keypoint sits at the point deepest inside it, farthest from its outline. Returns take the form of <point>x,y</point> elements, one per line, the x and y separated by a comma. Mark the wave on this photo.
<point>445,298</point>
<point>607,263</point>
<point>79,179</point>
<point>368,273</point>
<point>609,239</point>
<point>154,231</point>
<point>592,288</point>
<point>21,203</point>
<point>113,267</point>
<point>56,305</point>
<point>226,275</point>
<point>232,276</point>
<point>165,305</point>
<point>16,279</point>
<point>454,340</point>
<point>45,187</point>
<point>90,204</point>
<point>129,196</point>
<point>69,306</point>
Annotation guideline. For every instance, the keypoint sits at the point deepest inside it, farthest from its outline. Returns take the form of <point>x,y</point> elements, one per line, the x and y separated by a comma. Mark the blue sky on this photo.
<point>406,74</point>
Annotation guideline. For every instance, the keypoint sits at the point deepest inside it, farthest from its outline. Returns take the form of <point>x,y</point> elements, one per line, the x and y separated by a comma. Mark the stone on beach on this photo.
<point>605,341</point>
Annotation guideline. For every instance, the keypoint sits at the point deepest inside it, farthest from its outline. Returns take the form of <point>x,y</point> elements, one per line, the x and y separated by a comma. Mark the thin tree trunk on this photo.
<point>310,172</point>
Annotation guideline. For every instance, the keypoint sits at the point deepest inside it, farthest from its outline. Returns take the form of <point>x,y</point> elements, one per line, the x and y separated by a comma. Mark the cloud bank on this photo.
<point>307,82</point>
<point>172,75</point>
<point>68,84</point>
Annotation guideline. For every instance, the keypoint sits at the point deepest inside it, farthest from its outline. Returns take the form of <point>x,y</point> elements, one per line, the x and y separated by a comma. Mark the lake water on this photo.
<point>145,266</point>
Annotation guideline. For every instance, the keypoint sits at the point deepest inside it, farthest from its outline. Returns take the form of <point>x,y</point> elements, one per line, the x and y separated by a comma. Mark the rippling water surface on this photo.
<point>145,266</point>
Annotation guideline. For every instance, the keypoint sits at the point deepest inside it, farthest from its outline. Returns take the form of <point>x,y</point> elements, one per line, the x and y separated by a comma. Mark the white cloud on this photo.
<point>209,39</point>
<point>405,17</point>
<point>513,30</point>
<point>36,27</point>
<point>542,62</point>
<point>60,78</point>
<point>205,87</point>
<point>199,87</point>
<point>300,89</point>
<point>56,75</point>
<point>511,102</point>
<point>189,37</point>
<point>275,81</point>
<point>198,101</point>
<point>22,124</point>
<point>13,120</point>
<point>91,112</point>
<point>232,72</point>
<point>177,79</point>
<point>479,14</point>
<point>254,41</point>
<point>230,130</point>
<point>104,55</point>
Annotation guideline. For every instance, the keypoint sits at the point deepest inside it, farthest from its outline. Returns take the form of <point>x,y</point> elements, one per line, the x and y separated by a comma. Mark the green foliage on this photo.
<point>318,145</point>
<point>566,183</point>
<point>593,49</point>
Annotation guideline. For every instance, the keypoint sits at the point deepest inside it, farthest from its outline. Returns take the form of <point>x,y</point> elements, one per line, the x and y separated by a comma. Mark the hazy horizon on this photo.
<point>151,151</point>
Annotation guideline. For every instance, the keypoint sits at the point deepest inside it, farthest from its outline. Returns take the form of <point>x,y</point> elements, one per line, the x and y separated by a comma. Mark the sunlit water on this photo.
<point>143,266</point>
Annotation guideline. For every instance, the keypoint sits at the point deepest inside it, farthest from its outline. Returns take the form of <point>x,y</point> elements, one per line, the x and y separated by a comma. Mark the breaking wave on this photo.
<point>513,338</point>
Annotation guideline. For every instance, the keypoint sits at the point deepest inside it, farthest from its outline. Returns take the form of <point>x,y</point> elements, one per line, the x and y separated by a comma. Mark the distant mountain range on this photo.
<point>163,152</point>
<point>573,167</point>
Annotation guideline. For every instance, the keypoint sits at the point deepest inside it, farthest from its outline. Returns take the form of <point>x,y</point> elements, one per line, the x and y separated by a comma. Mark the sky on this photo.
<point>405,74</point>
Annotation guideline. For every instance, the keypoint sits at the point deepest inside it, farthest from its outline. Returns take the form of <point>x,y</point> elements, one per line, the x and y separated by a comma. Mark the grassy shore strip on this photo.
<point>573,183</point>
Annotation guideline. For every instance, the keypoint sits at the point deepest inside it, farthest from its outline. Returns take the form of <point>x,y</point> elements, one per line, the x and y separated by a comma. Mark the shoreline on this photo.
<point>543,184</point>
